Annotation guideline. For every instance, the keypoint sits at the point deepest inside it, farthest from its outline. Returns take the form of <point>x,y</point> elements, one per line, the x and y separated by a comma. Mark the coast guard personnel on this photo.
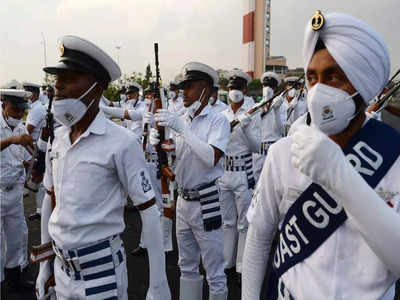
<point>238,181</point>
<point>35,121</point>
<point>294,105</point>
<point>201,139</point>
<point>271,125</point>
<point>216,104</point>
<point>13,155</point>
<point>333,187</point>
<point>92,167</point>
<point>175,102</point>
<point>133,110</point>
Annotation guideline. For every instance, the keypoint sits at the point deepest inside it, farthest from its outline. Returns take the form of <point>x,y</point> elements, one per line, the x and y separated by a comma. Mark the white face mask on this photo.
<point>171,94</point>
<point>122,97</point>
<point>267,92</point>
<point>12,122</point>
<point>192,109</point>
<point>236,96</point>
<point>292,93</point>
<point>212,101</point>
<point>69,111</point>
<point>331,109</point>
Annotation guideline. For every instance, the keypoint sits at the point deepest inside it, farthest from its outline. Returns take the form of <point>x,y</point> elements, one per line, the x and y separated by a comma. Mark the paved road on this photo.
<point>137,266</point>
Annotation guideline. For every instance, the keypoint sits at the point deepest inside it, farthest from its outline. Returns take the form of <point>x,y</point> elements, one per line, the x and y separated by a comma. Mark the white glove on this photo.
<point>170,119</point>
<point>277,102</point>
<point>116,112</point>
<point>317,156</point>
<point>154,137</point>
<point>45,272</point>
<point>311,149</point>
<point>244,119</point>
<point>105,100</point>
<point>148,118</point>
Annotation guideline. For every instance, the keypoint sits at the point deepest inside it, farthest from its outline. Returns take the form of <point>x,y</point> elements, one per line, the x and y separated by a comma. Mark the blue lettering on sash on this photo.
<point>315,215</point>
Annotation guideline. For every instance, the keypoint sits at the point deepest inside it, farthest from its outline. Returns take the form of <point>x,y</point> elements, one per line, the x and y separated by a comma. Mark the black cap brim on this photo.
<point>73,67</point>
<point>17,102</point>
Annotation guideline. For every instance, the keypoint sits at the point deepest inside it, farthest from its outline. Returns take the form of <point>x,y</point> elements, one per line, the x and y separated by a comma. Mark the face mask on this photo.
<point>292,93</point>
<point>236,96</point>
<point>122,97</point>
<point>331,109</point>
<point>212,101</point>
<point>192,109</point>
<point>69,111</point>
<point>12,122</point>
<point>171,94</point>
<point>267,92</point>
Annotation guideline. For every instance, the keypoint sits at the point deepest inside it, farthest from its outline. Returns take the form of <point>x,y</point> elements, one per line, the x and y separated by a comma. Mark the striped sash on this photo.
<point>210,207</point>
<point>95,265</point>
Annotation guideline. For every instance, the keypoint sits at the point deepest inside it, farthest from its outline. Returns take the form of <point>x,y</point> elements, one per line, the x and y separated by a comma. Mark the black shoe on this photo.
<point>35,216</point>
<point>139,251</point>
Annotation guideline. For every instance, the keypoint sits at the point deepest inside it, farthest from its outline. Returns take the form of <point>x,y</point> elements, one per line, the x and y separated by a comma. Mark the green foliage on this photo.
<point>112,93</point>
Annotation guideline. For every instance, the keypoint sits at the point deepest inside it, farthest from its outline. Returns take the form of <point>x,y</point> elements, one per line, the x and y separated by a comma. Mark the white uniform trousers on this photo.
<point>235,200</point>
<point>194,242</point>
<point>68,288</point>
<point>14,232</point>
<point>258,163</point>
<point>155,183</point>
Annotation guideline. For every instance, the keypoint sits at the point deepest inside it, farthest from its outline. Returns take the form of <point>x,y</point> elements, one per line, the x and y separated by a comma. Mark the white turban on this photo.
<point>357,48</point>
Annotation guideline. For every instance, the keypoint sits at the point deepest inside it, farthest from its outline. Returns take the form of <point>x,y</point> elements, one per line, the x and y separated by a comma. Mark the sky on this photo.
<point>209,31</point>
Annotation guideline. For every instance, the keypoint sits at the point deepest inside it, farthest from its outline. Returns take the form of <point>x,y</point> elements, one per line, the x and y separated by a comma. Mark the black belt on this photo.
<point>194,194</point>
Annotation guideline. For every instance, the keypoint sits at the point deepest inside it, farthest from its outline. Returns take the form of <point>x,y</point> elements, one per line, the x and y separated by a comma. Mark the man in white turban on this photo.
<point>332,188</point>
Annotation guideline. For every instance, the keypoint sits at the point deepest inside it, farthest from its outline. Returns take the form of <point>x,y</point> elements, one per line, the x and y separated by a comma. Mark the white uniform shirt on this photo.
<point>249,101</point>
<point>92,179</point>
<point>11,159</point>
<point>139,107</point>
<point>219,106</point>
<point>36,117</point>
<point>344,266</point>
<point>176,106</point>
<point>44,99</point>
<point>240,142</point>
<point>271,125</point>
<point>212,128</point>
<point>299,106</point>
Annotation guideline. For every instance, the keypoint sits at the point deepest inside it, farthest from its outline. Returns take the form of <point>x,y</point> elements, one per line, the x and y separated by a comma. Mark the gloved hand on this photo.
<point>45,272</point>
<point>317,156</point>
<point>154,137</point>
<point>170,119</point>
<point>277,102</point>
<point>244,119</point>
<point>148,118</point>
<point>116,112</point>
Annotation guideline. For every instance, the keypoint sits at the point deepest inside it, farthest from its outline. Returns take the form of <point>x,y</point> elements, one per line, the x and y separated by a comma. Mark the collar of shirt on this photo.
<point>204,112</point>
<point>4,124</point>
<point>98,126</point>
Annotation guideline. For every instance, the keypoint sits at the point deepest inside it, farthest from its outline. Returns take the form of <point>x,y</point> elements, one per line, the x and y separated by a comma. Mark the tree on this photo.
<point>223,83</point>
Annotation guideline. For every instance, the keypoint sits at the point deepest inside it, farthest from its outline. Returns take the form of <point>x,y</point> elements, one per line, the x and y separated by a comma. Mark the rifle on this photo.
<point>164,173</point>
<point>384,101</point>
<point>260,105</point>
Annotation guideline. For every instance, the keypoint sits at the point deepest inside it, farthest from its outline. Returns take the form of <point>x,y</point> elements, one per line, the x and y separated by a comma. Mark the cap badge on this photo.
<point>317,21</point>
<point>61,49</point>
